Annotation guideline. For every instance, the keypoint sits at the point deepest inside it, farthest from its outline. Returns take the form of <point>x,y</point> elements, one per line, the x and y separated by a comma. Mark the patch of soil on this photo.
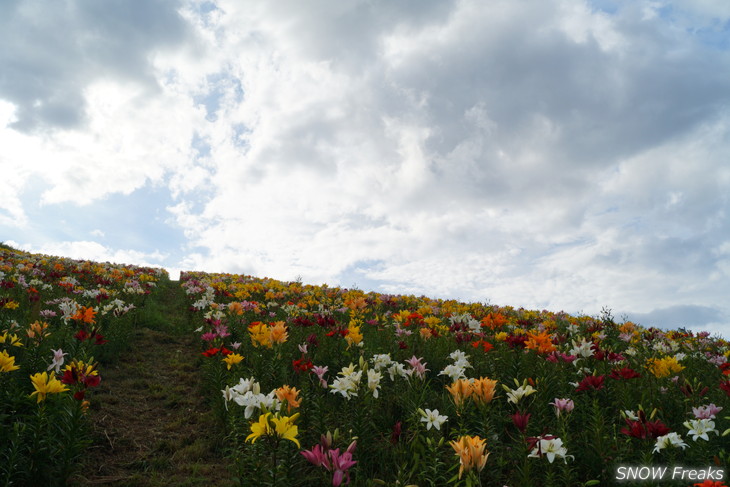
<point>152,426</point>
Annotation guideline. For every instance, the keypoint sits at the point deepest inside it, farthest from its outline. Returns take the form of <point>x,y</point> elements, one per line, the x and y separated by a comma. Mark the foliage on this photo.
<point>59,320</point>
<point>539,397</point>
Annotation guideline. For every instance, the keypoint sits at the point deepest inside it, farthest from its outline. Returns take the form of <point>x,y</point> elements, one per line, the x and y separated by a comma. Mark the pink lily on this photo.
<point>320,371</point>
<point>341,464</point>
<point>209,336</point>
<point>316,456</point>
<point>417,368</point>
<point>57,360</point>
<point>222,331</point>
<point>706,412</point>
<point>563,405</point>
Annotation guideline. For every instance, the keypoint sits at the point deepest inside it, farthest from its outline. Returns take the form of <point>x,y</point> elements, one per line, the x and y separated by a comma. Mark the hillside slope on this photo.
<point>152,426</point>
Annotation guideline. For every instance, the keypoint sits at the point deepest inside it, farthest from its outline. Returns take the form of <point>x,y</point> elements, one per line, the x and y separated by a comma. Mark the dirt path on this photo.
<point>152,425</point>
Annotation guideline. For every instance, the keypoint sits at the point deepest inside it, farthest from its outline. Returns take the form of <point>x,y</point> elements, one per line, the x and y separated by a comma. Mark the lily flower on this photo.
<point>520,420</point>
<point>549,446</point>
<point>515,395</point>
<point>624,373</point>
<point>45,384</point>
<point>7,362</point>
<point>341,464</point>
<point>290,395</point>
<point>432,418</point>
<point>460,390</point>
<point>322,455</point>
<point>472,453</point>
<point>231,359</point>
<point>260,428</point>
<point>698,428</point>
<point>725,386</point>
<point>285,428</point>
<point>418,369</point>
<point>562,405</point>
<point>591,382</point>
<point>316,456</point>
<point>706,412</point>
<point>208,337</point>
<point>483,389</point>
<point>58,359</point>
<point>319,371</point>
<point>672,439</point>
<point>374,382</point>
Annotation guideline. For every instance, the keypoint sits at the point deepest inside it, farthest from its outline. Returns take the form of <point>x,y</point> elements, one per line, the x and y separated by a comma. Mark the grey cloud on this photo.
<point>681,315</point>
<point>349,33</point>
<point>572,107</point>
<point>53,51</point>
<point>600,105</point>
<point>670,256</point>
<point>511,122</point>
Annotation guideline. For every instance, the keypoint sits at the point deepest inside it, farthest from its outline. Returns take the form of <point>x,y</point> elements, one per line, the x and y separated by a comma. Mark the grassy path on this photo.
<point>152,425</point>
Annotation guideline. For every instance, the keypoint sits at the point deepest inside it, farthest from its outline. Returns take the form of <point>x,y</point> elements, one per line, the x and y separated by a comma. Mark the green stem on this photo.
<point>274,458</point>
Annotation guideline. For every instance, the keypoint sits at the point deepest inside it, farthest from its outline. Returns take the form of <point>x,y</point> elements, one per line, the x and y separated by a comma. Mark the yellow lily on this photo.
<point>285,428</point>
<point>45,384</point>
<point>260,428</point>
<point>232,359</point>
<point>7,362</point>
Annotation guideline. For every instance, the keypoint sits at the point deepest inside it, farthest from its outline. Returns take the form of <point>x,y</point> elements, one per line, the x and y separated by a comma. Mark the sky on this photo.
<point>565,155</point>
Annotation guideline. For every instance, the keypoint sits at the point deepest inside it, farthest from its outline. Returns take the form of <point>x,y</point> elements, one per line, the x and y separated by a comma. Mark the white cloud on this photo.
<point>540,154</point>
<point>90,250</point>
<point>15,172</point>
<point>129,141</point>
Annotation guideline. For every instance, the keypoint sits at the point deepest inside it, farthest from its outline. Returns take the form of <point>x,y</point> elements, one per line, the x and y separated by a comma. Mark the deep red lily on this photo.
<point>520,420</point>
<point>591,382</point>
<point>725,386</point>
<point>624,373</point>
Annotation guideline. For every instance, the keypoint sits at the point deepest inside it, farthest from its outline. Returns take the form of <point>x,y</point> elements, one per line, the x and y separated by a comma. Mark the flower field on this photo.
<point>59,319</point>
<point>325,386</point>
<point>317,385</point>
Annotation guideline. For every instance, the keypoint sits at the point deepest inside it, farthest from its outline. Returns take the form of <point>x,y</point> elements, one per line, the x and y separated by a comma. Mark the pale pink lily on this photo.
<point>706,412</point>
<point>417,368</point>
<point>319,371</point>
<point>222,331</point>
<point>562,405</point>
<point>57,360</point>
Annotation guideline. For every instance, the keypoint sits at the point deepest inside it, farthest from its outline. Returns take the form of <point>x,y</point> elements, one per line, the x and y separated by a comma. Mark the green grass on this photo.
<point>153,427</point>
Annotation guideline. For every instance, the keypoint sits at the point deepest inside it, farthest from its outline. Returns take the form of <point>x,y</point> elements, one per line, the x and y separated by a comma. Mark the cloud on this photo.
<point>463,110</point>
<point>75,44</point>
<point>90,250</point>
<point>680,316</point>
<point>551,154</point>
<point>690,317</point>
<point>129,142</point>
<point>112,120</point>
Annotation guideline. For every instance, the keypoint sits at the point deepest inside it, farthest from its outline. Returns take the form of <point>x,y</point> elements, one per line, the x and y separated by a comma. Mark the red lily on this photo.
<point>520,420</point>
<point>624,373</point>
<point>591,382</point>
<point>725,386</point>
<point>211,352</point>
